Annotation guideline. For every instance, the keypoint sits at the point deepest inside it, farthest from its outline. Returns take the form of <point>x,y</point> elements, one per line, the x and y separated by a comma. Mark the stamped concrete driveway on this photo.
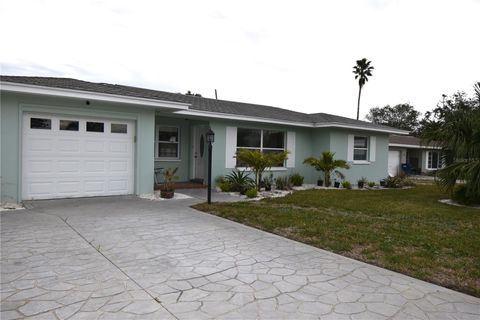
<point>127,258</point>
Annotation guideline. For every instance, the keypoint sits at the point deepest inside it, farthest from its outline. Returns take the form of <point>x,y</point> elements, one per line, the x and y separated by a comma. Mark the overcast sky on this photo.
<point>291,54</point>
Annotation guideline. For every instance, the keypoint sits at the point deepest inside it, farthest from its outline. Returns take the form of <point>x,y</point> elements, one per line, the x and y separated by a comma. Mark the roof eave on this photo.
<point>83,94</point>
<point>348,126</point>
<point>229,116</point>
<point>412,146</point>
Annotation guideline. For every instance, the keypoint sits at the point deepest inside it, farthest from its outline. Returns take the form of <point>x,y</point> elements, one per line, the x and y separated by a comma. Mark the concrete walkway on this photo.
<point>129,258</point>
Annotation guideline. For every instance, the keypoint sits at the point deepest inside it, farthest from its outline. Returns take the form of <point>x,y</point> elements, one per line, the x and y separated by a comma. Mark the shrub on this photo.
<point>398,182</point>
<point>259,161</point>
<point>459,194</point>
<point>371,184</point>
<point>296,179</point>
<point>282,183</point>
<point>347,185</point>
<point>225,186</point>
<point>267,182</point>
<point>219,180</point>
<point>239,181</point>
<point>251,193</point>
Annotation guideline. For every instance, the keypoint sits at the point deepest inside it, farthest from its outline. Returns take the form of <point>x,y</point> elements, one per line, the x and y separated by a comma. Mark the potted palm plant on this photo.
<point>361,182</point>
<point>167,190</point>
<point>328,164</point>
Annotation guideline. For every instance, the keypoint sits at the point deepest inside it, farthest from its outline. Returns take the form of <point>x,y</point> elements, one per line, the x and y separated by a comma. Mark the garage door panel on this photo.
<point>40,166</point>
<point>119,166</point>
<point>68,166</point>
<point>40,144</point>
<point>118,185</point>
<point>94,186</point>
<point>68,187</point>
<point>68,145</point>
<point>119,147</point>
<point>94,166</point>
<point>94,146</point>
<point>40,189</point>
<point>75,163</point>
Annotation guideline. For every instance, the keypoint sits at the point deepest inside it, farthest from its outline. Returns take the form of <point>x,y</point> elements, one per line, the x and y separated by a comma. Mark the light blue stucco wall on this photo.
<point>373,171</point>
<point>14,105</point>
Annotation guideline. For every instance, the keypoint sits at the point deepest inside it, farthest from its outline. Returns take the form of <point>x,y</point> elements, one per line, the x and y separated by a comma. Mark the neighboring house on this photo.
<point>409,155</point>
<point>69,138</point>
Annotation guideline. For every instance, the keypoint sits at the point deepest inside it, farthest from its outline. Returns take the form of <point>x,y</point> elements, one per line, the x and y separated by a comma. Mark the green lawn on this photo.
<point>407,231</point>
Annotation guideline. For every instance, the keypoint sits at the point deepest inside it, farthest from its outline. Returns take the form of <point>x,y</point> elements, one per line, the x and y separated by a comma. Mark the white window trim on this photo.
<point>248,169</point>
<point>261,148</point>
<point>175,159</point>
<point>367,161</point>
<point>439,161</point>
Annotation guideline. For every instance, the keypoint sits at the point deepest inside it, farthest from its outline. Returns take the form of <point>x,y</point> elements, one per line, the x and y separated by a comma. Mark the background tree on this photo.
<point>362,71</point>
<point>402,116</point>
<point>328,164</point>
<point>455,127</point>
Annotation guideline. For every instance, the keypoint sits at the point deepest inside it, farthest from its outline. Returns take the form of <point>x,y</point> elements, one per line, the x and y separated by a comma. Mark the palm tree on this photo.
<point>457,132</point>
<point>259,161</point>
<point>362,71</point>
<point>327,164</point>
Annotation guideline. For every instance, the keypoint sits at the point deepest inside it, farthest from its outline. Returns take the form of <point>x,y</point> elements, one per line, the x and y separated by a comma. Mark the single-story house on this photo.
<point>64,138</point>
<point>409,155</point>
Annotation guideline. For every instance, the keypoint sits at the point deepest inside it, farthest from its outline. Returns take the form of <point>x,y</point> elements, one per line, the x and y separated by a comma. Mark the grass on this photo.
<point>407,230</point>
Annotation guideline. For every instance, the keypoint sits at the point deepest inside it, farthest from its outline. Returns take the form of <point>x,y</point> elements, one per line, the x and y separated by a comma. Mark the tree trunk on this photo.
<point>358,103</point>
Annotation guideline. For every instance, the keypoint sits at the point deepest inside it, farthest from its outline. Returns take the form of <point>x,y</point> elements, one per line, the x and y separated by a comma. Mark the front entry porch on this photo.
<point>181,143</point>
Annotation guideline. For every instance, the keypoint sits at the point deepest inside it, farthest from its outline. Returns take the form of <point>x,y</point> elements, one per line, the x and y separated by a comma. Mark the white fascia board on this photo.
<point>219,115</point>
<point>412,146</point>
<point>348,126</point>
<point>69,93</point>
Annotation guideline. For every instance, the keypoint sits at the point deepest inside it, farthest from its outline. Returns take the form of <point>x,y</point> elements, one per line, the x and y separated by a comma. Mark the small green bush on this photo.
<point>225,186</point>
<point>239,181</point>
<point>296,179</point>
<point>398,182</point>
<point>283,183</point>
<point>459,195</point>
<point>371,184</point>
<point>219,180</point>
<point>347,185</point>
<point>251,193</point>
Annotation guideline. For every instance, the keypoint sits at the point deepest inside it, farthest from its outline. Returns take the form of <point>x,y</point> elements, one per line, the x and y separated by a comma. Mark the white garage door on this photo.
<point>393,163</point>
<point>67,156</point>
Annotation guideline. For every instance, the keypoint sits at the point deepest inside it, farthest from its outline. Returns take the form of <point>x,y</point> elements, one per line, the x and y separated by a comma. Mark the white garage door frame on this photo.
<point>84,163</point>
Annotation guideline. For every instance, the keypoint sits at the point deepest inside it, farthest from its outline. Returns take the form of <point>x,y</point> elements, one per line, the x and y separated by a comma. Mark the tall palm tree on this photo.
<point>362,71</point>
<point>327,163</point>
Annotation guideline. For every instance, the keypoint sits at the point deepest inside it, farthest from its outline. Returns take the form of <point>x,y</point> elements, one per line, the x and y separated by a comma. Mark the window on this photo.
<point>94,126</point>
<point>360,148</point>
<point>167,143</point>
<point>433,160</point>
<point>68,125</point>
<point>118,128</point>
<point>266,141</point>
<point>39,123</point>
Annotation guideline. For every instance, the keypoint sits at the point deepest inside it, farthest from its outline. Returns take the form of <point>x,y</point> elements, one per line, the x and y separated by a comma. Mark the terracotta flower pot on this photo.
<point>167,194</point>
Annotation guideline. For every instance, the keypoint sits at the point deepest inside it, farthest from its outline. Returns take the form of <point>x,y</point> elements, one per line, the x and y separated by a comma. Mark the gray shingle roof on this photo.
<point>195,102</point>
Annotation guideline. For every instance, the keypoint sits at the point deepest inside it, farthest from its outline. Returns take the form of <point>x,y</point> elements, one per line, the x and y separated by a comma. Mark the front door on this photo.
<point>199,151</point>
